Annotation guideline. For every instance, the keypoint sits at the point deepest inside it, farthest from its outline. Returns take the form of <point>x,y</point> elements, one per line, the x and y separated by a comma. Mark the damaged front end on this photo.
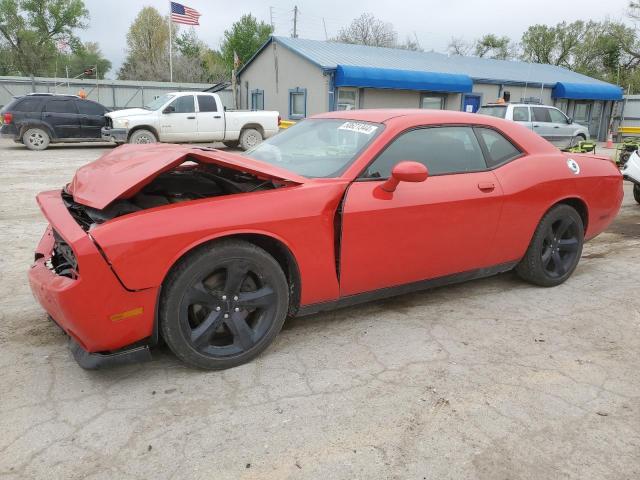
<point>189,181</point>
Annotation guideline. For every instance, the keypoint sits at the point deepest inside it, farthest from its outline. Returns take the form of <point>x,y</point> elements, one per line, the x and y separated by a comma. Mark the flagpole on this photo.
<point>170,45</point>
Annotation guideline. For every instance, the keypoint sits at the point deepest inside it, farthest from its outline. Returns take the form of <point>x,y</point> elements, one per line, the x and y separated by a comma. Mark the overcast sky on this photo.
<point>432,22</point>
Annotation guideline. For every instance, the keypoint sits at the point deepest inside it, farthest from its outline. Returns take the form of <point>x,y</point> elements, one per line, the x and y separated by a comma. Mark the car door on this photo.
<point>442,226</point>
<point>541,123</point>
<point>210,120</point>
<point>178,120</point>
<point>92,118</point>
<point>62,116</point>
<point>563,129</point>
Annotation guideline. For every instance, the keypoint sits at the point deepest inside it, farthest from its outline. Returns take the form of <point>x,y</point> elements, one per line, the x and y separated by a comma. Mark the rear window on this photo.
<point>541,114</point>
<point>28,104</point>
<point>87,107</point>
<point>207,103</point>
<point>498,111</point>
<point>500,149</point>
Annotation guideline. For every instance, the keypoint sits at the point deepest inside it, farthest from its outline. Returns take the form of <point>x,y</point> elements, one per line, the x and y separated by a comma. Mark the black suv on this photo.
<point>38,119</point>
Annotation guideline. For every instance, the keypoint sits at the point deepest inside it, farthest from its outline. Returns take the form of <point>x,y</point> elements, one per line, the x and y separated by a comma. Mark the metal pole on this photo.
<point>295,22</point>
<point>326,37</point>
<point>170,46</point>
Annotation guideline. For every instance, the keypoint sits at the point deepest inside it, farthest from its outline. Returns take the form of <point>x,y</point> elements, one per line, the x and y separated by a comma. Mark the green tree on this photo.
<point>29,30</point>
<point>369,30</point>
<point>147,47</point>
<point>245,37</point>
<point>492,46</point>
<point>554,45</point>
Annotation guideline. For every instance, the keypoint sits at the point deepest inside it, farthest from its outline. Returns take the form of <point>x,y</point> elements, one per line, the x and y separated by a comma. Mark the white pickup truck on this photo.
<point>190,117</point>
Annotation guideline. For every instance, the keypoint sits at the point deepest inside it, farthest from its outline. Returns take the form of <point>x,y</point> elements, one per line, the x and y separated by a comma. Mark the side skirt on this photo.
<point>404,289</point>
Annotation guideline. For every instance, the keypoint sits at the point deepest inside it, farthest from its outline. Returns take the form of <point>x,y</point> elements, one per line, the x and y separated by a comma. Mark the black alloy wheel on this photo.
<point>555,249</point>
<point>224,305</point>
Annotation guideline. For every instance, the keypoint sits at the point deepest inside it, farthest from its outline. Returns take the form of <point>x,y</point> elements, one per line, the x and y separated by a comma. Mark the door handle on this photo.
<point>217,116</point>
<point>557,126</point>
<point>536,126</point>
<point>191,118</point>
<point>486,187</point>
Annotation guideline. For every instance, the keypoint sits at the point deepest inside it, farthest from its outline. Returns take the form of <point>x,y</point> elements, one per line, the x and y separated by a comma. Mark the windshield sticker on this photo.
<point>358,127</point>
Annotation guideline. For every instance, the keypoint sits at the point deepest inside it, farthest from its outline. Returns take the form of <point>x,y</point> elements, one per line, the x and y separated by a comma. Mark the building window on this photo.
<point>257,99</point>
<point>297,103</point>
<point>347,99</point>
<point>432,102</point>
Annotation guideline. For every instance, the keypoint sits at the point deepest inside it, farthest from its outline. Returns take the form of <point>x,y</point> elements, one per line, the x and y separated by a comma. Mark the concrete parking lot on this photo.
<point>493,379</point>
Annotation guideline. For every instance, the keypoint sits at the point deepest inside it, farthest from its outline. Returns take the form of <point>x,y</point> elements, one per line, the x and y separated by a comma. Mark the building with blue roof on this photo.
<point>300,77</point>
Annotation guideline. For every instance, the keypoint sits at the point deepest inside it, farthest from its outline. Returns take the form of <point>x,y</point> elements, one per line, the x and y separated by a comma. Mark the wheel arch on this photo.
<point>579,206</point>
<point>142,127</point>
<point>42,125</point>
<point>255,126</point>
<point>274,246</point>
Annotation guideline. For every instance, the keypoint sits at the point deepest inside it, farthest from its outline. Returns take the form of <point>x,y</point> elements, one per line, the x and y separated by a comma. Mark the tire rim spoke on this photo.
<point>565,223</point>
<point>568,245</point>
<point>260,298</point>
<point>236,275</point>
<point>202,333</point>
<point>198,294</point>
<point>546,257</point>
<point>558,265</point>
<point>242,333</point>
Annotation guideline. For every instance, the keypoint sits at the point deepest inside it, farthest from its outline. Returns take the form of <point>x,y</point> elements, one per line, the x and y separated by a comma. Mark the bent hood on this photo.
<point>122,172</point>
<point>127,112</point>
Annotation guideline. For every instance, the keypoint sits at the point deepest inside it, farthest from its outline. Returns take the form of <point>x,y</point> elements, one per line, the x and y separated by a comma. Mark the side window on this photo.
<point>207,103</point>
<point>184,104</point>
<point>28,105</point>
<point>441,149</point>
<point>257,99</point>
<point>60,106</point>
<point>520,114</point>
<point>541,114</point>
<point>500,149</point>
<point>87,107</point>
<point>557,116</point>
<point>297,103</point>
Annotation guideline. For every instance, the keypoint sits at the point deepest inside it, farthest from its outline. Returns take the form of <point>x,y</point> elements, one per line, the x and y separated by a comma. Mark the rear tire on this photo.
<point>249,138</point>
<point>636,192</point>
<point>555,249</point>
<point>36,139</point>
<point>223,304</point>
<point>141,137</point>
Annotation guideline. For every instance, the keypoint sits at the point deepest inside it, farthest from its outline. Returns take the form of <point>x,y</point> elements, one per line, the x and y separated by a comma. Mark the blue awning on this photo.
<point>371,77</point>
<point>587,91</point>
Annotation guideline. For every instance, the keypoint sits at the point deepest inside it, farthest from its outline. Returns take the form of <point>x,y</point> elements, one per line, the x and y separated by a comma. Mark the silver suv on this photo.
<point>546,121</point>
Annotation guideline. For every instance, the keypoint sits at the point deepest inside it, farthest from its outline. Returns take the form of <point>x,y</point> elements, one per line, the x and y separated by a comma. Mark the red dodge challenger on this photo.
<point>211,251</point>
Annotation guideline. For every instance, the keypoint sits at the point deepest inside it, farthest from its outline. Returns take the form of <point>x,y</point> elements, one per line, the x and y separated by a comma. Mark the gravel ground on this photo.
<point>493,379</point>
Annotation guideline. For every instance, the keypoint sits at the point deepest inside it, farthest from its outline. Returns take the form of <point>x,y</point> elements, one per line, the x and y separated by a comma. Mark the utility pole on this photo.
<point>326,37</point>
<point>295,22</point>
<point>271,17</point>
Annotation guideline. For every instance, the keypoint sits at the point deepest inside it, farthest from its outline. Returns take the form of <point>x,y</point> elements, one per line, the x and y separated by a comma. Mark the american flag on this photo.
<point>183,14</point>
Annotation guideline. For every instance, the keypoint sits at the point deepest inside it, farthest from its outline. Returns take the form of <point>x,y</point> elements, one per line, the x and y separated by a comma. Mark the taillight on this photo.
<point>279,120</point>
<point>7,118</point>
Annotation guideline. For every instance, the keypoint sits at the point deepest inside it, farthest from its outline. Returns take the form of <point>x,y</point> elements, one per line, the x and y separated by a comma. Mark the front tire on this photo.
<point>223,305</point>
<point>249,138</point>
<point>636,192</point>
<point>141,137</point>
<point>555,249</point>
<point>36,139</point>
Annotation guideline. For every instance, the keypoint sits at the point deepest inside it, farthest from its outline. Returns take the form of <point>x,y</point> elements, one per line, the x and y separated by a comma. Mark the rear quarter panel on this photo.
<point>532,184</point>
<point>235,121</point>
<point>142,247</point>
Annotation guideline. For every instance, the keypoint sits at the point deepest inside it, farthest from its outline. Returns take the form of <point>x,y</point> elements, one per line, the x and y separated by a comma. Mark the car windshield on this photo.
<point>317,147</point>
<point>158,102</point>
<point>493,110</point>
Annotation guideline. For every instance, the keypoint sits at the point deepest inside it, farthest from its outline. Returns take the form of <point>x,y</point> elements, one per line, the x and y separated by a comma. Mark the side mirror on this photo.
<point>569,120</point>
<point>405,171</point>
<point>169,109</point>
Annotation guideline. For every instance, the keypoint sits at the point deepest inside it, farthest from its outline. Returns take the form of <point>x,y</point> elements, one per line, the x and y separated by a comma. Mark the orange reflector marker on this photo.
<point>117,317</point>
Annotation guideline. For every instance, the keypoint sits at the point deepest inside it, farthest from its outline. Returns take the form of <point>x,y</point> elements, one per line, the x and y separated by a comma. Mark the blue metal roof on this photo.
<point>585,91</point>
<point>328,55</point>
<point>351,76</point>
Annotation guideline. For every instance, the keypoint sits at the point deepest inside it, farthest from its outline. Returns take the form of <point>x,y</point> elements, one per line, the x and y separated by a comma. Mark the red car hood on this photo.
<point>122,172</point>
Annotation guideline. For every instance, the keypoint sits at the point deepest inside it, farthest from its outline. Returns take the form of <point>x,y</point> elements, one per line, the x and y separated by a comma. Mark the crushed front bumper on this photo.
<point>83,295</point>
<point>118,135</point>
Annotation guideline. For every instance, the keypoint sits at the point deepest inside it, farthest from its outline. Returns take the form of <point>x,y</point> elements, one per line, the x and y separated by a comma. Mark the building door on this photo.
<point>582,113</point>
<point>596,119</point>
<point>471,103</point>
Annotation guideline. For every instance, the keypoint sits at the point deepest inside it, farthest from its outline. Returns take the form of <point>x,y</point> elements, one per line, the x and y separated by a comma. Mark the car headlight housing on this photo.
<point>121,123</point>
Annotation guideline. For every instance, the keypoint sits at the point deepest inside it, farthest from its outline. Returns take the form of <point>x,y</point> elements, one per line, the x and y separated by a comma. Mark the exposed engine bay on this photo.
<point>189,181</point>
